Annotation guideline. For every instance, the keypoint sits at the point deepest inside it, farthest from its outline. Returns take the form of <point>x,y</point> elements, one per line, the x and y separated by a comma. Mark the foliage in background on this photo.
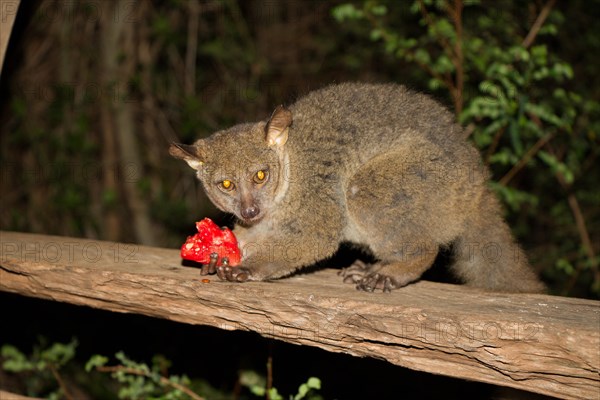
<point>88,123</point>
<point>41,370</point>
<point>510,88</point>
<point>43,374</point>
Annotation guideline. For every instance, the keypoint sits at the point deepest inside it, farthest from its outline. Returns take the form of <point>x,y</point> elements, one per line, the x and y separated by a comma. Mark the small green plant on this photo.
<point>257,384</point>
<point>42,367</point>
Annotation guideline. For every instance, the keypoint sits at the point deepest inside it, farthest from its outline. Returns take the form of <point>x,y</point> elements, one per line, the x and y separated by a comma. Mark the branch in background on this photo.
<point>164,381</point>
<point>537,25</point>
<point>269,374</point>
<point>456,14</point>
<point>575,209</point>
<point>496,141</point>
<point>108,64</point>
<point>581,229</point>
<point>583,234</point>
<point>126,134</point>
<point>525,159</point>
<point>60,382</point>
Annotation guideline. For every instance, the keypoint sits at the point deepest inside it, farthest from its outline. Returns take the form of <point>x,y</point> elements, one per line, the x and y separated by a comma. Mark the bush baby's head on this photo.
<point>243,169</point>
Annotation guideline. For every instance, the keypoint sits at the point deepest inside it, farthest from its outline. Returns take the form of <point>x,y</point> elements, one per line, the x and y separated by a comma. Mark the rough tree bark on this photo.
<point>8,13</point>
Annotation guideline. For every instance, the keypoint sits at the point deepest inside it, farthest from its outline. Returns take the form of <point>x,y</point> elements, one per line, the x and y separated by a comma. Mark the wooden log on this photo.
<point>8,14</point>
<point>540,343</point>
<point>12,396</point>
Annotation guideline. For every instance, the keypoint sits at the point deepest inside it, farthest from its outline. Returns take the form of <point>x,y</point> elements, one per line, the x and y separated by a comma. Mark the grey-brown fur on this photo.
<point>376,165</point>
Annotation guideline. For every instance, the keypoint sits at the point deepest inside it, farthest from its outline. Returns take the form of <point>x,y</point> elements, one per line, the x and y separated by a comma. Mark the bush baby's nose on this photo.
<point>250,212</point>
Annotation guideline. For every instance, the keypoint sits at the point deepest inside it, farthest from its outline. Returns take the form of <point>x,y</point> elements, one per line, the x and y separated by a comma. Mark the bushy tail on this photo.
<point>487,256</point>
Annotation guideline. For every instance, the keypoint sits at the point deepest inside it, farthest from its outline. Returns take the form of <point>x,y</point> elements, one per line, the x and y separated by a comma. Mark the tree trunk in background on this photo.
<point>121,144</point>
<point>130,159</point>
<point>109,37</point>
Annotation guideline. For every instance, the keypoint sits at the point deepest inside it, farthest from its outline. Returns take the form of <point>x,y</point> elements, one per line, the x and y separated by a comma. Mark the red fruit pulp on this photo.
<point>211,239</point>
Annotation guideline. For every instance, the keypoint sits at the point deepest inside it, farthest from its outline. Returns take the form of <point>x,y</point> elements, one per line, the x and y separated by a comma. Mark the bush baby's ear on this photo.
<point>191,154</point>
<point>277,128</point>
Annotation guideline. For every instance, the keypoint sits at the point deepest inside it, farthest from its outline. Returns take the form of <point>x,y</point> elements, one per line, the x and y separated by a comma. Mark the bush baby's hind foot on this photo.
<point>368,277</point>
<point>386,276</point>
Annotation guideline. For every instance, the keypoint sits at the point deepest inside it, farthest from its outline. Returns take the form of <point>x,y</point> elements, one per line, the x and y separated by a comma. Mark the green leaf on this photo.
<point>378,10</point>
<point>557,166</point>
<point>60,353</point>
<point>14,360</point>
<point>515,137</point>
<point>274,394</point>
<point>392,44</point>
<point>548,29</point>
<point>502,158</point>
<point>95,361</point>
<point>376,34</point>
<point>444,28</point>
<point>443,64</point>
<point>539,54</point>
<point>519,53</point>
<point>258,390</point>
<point>544,113</point>
<point>560,70</point>
<point>562,264</point>
<point>346,11</point>
<point>302,391</point>
<point>250,378</point>
<point>435,84</point>
<point>314,383</point>
<point>422,57</point>
<point>489,87</point>
<point>514,198</point>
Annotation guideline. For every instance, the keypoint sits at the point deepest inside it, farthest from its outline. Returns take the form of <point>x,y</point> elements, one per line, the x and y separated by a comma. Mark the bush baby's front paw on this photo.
<point>233,274</point>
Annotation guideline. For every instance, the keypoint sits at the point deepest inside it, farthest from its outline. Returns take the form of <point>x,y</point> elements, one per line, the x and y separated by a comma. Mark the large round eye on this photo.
<point>260,176</point>
<point>227,185</point>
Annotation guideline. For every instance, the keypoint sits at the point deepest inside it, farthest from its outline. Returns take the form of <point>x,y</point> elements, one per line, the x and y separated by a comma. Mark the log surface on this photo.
<point>8,14</point>
<point>544,344</point>
<point>12,396</point>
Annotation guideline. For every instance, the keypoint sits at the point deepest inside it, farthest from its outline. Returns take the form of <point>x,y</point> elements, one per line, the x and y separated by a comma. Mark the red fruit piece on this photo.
<point>211,239</point>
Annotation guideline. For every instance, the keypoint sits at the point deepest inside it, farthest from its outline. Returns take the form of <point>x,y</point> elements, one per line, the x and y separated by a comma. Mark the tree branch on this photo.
<point>581,230</point>
<point>525,159</point>
<point>537,25</point>
<point>492,149</point>
<point>456,15</point>
<point>60,382</point>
